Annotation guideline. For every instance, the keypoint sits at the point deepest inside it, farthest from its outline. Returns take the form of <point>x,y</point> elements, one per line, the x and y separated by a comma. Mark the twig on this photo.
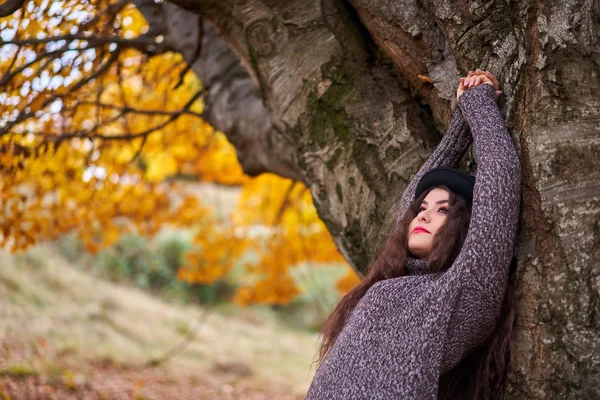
<point>85,135</point>
<point>181,346</point>
<point>129,136</point>
<point>139,150</point>
<point>284,204</point>
<point>10,6</point>
<point>133,110</point>
<point>141,42</point>
<point>112,10</point>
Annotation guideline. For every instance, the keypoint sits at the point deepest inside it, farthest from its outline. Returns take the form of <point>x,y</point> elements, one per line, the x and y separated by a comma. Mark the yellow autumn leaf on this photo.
<point>160,166</point>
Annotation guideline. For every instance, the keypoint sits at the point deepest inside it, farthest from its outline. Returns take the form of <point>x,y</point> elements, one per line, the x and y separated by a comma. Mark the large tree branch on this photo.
<point>233,103</point>
<point>235,106</point>
<point>416,45</point>
<point>333,106</point>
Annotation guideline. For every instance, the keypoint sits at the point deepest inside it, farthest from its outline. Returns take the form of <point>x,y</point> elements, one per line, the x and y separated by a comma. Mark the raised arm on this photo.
<point>488,248</point>
<point>481,269</point>
<point>448,153</point>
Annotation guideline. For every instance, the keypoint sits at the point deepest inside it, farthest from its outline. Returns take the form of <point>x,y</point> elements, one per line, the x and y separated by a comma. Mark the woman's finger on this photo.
<point>493,79</point>
<point>488,74</point>
<point>475,80</point>
<point>497,95</point>
<point>475,73</point>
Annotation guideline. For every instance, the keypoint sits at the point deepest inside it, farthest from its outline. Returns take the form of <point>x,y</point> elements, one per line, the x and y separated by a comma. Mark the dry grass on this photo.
<point>56,316</point>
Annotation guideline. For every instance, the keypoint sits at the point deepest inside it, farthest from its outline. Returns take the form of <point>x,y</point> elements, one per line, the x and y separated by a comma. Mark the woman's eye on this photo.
<point>443,210</point>
<point>421,209</point>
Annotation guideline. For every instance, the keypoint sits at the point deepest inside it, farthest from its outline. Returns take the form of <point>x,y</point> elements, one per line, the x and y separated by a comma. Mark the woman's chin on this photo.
<point>417,252</point>
<point>418,248</point>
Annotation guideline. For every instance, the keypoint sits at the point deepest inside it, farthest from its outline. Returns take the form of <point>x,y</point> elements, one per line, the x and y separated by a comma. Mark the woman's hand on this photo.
<point>476,78</point>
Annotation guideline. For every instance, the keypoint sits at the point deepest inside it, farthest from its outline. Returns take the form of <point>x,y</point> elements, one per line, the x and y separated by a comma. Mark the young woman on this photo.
<point>425,321</point>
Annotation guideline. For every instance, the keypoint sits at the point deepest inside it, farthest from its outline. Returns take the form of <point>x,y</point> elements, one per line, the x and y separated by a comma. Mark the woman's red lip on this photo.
<point>420,229</point>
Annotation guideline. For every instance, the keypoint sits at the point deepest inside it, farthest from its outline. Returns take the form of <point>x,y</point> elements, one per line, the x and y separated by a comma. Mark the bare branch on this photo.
<point>53,54</point>
<point>12,64</point>
<point>285,203</point>
<point>10,6</point>
<point>112,10</point>
<point>139,150</point>
<point>23,115</point>
<point>133,110</point>
<point>121,43</point>
<point>129,136</point>
<point>143,43</point>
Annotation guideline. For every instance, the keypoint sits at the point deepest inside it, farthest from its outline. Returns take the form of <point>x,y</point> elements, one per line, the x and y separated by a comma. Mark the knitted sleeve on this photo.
<point>487,251</point>
<point>448,153</point>
<point>480,271</point>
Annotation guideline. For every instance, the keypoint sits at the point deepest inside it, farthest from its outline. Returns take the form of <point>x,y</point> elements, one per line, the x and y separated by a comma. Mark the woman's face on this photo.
<point>427,223</point>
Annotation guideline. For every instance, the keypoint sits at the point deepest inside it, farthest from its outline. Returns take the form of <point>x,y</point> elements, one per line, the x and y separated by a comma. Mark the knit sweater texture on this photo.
<point>406,332</point>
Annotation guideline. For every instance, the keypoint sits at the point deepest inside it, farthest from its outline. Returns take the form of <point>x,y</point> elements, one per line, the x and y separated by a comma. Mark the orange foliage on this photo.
<point>101,156</point>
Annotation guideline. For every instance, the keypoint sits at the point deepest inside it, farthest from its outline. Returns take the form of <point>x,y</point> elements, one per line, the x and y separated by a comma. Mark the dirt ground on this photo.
<point>71,378</point>
<point>108,382</point>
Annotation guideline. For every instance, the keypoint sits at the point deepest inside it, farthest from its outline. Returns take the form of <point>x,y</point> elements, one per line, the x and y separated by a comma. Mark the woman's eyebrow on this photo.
<point>437,202</point>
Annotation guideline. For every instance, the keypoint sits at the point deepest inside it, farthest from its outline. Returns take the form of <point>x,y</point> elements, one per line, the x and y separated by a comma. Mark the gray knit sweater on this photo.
<point>406,332</point>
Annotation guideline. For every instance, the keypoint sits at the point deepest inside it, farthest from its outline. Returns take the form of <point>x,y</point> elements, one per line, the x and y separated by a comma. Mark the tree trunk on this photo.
<point>351,96</point>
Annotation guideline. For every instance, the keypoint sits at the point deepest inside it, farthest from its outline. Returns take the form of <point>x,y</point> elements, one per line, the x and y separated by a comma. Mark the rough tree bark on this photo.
<point>350,96</point>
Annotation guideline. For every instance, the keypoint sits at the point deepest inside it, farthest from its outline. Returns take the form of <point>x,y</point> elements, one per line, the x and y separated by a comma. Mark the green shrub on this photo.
<point>149,265</point>
<point>172,251</point>
<point>71,247</point>
<point>111,266</point>
<point>176,291</point>
<point>32,258</point>
<point>220,291</point>
<point>135,252</point>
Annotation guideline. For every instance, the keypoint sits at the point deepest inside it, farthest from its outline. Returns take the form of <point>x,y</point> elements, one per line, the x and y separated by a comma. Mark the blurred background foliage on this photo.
<point>104,151</point>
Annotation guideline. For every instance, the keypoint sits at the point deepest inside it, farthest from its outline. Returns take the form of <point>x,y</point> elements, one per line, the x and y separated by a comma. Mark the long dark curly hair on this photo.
<point>482,373</point>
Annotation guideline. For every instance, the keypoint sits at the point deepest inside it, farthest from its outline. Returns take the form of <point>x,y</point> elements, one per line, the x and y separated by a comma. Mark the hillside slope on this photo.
<point>66,334</point>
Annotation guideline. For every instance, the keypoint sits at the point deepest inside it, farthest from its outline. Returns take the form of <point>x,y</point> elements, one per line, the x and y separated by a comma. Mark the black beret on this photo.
<point>454,179</point>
